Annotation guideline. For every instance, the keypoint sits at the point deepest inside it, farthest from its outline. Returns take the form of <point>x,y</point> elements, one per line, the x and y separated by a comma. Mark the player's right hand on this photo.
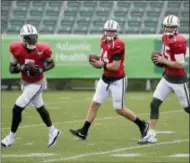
<point>24,69</point>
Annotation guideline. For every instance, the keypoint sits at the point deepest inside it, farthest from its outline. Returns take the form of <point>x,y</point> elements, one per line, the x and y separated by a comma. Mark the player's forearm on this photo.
<point>174,64</point>
<point>49,66</point>
<point>112,66</point>
<point>14,69</point>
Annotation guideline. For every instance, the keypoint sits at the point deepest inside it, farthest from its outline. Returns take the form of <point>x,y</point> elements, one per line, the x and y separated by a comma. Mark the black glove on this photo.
<point>24,69</point>
<point>36,70</point>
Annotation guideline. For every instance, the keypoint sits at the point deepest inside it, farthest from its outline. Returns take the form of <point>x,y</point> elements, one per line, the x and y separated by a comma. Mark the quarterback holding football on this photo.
<point>172,58</point>
<point>31,59</point>
<point>113,81</point>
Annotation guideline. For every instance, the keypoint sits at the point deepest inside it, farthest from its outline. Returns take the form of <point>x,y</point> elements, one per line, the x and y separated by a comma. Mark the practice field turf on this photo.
<point>111,138</point>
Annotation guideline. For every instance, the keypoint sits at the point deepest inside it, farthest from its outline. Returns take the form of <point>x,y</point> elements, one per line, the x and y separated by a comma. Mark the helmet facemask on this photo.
<point>30,41</point>
<point>170,30</point>
<point>110,34</point>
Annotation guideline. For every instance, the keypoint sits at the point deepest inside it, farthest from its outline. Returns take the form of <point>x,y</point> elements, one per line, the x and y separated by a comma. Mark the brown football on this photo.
<point>31,66</point>
<point>157,64</point>
<point>93,56</point>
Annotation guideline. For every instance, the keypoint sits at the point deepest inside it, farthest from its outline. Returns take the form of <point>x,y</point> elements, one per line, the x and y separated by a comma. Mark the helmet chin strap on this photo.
<point>30,47</point>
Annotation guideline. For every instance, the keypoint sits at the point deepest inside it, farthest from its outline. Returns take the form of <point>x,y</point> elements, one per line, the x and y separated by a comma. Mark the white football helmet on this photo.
<point>29,35</point>
<point>111,29</point>
<point>171,21</point>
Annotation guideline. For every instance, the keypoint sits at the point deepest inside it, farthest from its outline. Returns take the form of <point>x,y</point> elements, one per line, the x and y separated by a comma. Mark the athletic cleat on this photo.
<point>144,131</point>
<point>149,138</point>
<point>78,134</point>
<point>53,137</point>
<point>7,141</point>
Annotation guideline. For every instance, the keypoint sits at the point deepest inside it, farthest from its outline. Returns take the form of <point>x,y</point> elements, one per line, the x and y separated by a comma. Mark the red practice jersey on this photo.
<point>109,51</point>
<point>38,56</point>
<point>171,48</point>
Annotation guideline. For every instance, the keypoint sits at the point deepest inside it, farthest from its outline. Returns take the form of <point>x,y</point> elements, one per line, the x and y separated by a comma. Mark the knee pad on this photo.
<point>187,109</point>
<point>154,105</point>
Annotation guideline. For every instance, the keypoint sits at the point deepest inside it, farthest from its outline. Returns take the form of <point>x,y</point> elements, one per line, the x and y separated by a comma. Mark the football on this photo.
<point>93,56</point>
<point>157,64</point>
<point>31,68</point>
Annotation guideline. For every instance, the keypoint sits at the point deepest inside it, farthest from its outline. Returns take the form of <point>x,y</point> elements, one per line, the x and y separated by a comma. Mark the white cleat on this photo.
<point>149,138</point>
<point>53,135</point>
<point>7,141</point>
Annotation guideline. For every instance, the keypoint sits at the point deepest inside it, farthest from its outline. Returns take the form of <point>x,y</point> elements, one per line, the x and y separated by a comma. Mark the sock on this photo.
<point>16,118</point>
<point>12,134</point>
<point>44,114</point>
<point>85,127</point>
<point>51,128</point>
<point>139,123</point>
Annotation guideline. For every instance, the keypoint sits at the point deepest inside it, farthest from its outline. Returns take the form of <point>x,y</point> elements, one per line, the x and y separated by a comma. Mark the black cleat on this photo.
<point>144,130</point>
<point>78,134</point>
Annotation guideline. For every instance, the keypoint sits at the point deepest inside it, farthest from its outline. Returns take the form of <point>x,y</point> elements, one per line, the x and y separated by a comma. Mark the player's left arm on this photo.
<point>179,55</point>
<point>117,55</point>
<point>178,64</point>
<point>50,64</point>
<point>114,66</point>
<point>49,61</point>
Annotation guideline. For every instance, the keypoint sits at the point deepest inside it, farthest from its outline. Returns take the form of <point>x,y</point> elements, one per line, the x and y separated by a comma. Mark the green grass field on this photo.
<point>109,136</point>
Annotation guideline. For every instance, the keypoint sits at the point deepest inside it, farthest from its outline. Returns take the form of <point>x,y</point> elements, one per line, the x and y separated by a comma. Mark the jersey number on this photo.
<point>29,61</point>
<point>164,51</point>
<point>105,56</point>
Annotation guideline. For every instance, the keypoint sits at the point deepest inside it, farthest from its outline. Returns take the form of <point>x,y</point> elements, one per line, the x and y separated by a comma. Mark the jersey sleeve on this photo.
<point>14,55</point>
<point>48,52</point>
<point>179,50</point>
<point>179,47</point>
<point>118,51</point>
<point>12,49</point>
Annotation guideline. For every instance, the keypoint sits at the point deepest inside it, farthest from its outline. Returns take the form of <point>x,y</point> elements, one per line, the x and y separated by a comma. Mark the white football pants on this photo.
<point>116,89</point>
<point>181,90</point>
<point>32,93</point>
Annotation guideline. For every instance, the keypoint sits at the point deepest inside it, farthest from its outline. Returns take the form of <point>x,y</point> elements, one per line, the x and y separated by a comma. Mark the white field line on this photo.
<point>127,155</point>
<point>164,132</point>
<point>28,155</point>
<point>28,144</point>
<point>99,119</point>
<point>115,150</point>
<point>180,155</point>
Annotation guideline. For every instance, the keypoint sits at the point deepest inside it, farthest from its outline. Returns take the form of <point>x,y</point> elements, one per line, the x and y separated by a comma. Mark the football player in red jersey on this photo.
<point>112,82</point>
<point>174,77</point>
<point>32,82</point>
